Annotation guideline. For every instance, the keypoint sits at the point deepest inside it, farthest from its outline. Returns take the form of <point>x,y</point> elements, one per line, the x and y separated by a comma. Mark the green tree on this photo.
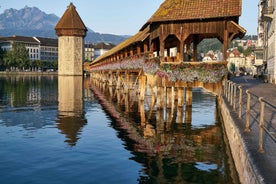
<point>46,64</point>
<point>17,57</point>
<point>247,51</point>
<point>55,64</point>
<point>240,49</point>
<point>2,52</point>
<point>21,55</point>
<point>9,60</point>
<point>209,44</point>
<point>232,67</point>
<point>37,63</point>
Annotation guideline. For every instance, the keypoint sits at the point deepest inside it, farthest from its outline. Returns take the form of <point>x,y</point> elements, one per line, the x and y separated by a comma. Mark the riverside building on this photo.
<point>267,36</point>
<point>46,49</point>
<point>39,48</point>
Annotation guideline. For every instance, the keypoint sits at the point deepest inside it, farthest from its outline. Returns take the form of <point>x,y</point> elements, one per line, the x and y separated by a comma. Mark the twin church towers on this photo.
<point>71,32</point>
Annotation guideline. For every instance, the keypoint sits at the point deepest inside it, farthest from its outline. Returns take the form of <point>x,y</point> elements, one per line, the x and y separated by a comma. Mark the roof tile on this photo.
<point>173,10</point>
<point>70,20</point>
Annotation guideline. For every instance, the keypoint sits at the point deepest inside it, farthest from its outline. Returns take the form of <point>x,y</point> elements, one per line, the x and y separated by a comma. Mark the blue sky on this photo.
<point>121,17</point>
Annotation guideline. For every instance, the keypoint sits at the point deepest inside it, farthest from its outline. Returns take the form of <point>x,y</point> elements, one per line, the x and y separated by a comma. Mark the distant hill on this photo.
<point>31,21</point>
<point>214,44</point>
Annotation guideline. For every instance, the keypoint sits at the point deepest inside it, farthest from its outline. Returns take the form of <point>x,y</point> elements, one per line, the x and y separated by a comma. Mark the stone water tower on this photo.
<point>71,32</point>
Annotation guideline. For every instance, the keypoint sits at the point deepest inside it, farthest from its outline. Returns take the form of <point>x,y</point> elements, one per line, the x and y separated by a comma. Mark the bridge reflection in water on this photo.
<point>167,141</point>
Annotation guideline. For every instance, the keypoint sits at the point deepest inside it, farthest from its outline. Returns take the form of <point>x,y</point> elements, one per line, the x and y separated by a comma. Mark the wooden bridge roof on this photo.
<point>175,10</point>
<point>181,11</point>
<point>140,36</point>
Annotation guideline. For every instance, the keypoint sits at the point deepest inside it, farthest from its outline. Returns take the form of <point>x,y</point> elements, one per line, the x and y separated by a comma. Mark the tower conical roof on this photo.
<point>70,24</point>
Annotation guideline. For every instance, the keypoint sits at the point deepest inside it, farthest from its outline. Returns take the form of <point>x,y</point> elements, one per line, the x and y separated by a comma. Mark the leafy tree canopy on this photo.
<point>17,57</point>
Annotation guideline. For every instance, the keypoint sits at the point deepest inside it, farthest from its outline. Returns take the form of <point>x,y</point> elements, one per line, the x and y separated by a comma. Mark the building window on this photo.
<point>259,55</point>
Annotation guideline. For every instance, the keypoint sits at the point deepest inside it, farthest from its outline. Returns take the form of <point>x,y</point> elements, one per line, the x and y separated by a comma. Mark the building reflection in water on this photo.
<point>71,118</point>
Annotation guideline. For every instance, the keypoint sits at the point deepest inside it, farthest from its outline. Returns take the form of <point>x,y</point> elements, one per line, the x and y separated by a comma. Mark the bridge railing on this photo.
<point>254,111</point>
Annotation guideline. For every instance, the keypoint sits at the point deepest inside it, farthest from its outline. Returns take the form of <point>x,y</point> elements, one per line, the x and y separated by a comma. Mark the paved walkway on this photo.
<point>265,163</point>
<point>258,87</point>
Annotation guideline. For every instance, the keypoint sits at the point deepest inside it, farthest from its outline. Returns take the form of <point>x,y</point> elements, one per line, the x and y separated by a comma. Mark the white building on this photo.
<point>101,48</point>
<point>45,49</point>
<point>236,58</point>
<point>267,36</point>
<point>48,49</point>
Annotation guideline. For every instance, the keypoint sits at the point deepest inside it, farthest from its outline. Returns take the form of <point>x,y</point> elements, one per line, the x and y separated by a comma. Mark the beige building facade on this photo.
<point>70,60</point>
<point>267,36</point>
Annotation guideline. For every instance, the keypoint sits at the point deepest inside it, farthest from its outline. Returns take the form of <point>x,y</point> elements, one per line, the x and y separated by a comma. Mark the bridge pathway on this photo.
<point>264,163</point>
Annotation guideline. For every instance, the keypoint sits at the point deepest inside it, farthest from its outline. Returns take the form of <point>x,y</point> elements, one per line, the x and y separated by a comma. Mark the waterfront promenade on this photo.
<point>264,164</point>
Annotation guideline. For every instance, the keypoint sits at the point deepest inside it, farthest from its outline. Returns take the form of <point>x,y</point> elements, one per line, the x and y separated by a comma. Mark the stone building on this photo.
<point>88,52</point>
<point>267,36</point>
<point>71,32</point>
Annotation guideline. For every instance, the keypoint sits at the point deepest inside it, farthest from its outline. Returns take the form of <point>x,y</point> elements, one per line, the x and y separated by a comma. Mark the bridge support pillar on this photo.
<point>189,101</point>
<point>118,85</point>
<point>180,97</point>
<point>127,108</point>
<point>189,96</point>
<point>142,86</point>
<point>169,97</point>
<point>160,97</point>
<point>188,114</point>
<point>110,88</point>
<point>160,122</point>
<point>141,109</point>
<point>180,114</point>
<point>169,118</point>
<point>126,82</point>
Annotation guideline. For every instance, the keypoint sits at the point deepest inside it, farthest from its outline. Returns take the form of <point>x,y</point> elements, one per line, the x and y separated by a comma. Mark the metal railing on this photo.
<point>252,110</point>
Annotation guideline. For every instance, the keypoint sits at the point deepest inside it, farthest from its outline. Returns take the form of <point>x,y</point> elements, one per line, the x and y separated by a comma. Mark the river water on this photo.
<point>68,130</point>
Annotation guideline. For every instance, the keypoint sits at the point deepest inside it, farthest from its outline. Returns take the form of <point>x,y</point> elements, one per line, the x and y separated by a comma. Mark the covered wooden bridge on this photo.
<point>163,54</point>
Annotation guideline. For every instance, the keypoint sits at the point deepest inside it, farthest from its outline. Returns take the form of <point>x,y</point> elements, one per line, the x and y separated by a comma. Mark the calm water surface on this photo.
<point>67,130</point>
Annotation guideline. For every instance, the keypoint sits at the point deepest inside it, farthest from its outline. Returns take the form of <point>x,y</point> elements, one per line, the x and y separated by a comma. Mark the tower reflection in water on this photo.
<point>71,117</point>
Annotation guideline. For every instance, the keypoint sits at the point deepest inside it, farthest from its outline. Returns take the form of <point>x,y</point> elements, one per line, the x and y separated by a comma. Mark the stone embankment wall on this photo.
<point>241,157</point>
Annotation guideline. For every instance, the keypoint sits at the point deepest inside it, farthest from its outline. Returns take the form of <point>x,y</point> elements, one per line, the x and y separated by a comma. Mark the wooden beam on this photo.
<point>225,42</point>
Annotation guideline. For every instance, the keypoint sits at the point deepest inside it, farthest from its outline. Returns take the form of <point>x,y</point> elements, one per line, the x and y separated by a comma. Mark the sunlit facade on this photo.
<point>44,49</point>
<point>267,36</point>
